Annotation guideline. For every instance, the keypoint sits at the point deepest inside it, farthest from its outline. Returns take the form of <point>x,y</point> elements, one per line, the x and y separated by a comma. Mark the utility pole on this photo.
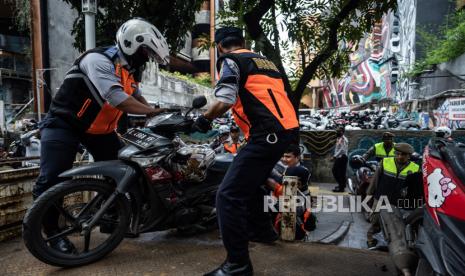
<point>212,38</point>
<point>89,8</point>
<point>40,83</point>
<point>37,62</point>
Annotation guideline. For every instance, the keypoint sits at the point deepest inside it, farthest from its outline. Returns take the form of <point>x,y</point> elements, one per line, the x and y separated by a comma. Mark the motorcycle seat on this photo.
<point>454,155</point>
<point>222,162</point>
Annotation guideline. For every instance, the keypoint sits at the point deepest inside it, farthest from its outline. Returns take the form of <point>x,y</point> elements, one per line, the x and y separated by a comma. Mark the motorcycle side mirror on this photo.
<point>199,102</point>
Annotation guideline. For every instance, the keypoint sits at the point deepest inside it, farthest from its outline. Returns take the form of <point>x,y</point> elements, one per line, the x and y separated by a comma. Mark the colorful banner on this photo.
<point>457,109</point>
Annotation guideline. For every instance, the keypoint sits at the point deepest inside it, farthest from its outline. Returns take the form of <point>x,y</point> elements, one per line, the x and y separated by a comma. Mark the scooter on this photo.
<point>441,237</point>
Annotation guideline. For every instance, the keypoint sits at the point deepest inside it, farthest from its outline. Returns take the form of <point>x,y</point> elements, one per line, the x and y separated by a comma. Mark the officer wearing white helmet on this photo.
<point>101,84</point>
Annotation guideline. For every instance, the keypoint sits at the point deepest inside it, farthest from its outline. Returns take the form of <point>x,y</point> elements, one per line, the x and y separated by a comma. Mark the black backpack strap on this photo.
<point>99,50</point>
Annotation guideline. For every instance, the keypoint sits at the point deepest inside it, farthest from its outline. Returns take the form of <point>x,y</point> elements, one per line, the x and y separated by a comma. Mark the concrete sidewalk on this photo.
<point>344,229</point>
<point>165,254</point>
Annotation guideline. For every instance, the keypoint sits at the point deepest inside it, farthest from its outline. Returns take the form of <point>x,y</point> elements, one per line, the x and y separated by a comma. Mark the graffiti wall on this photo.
<point>370,74</point>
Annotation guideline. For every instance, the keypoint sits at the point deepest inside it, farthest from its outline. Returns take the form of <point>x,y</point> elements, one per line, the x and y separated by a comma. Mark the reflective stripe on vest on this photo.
<point>392,182</point>
<point>262,105</point>
<point>380,152</point>
<point>390,168</point>
<point>108,117</point>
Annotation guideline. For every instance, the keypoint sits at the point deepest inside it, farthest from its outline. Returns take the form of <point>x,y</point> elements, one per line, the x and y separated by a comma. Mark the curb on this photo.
<point>337,235</point>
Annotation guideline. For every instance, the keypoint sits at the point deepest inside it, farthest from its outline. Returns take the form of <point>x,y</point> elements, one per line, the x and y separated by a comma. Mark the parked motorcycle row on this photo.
<point>25,144</point>
<point>356,120</point>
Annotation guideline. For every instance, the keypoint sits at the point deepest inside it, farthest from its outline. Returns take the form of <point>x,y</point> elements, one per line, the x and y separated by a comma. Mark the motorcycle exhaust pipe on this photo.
<point>350,185</point>
<point>394,232</point>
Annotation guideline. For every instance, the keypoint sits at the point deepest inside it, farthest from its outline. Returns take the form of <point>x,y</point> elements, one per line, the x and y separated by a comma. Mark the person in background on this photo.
<point>233,144</point>
<point>392,176</point>
<point>340,160</point>
<point>382,149</point>
<point>217,144</point>
<point>289,165</point>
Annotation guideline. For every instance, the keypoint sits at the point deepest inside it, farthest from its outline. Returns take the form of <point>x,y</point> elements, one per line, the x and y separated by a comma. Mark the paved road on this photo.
<point>330,224</point>
<point>166,254</point>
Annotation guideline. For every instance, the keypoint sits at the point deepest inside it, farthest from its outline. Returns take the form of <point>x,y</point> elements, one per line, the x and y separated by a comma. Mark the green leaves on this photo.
<point>442,46</point>
<point>319,34</point>
<point>172,18</point>
<point>22,13</point>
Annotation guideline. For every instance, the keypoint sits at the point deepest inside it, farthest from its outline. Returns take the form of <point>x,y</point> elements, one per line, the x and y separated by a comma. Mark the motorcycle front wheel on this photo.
<point>62,212</point>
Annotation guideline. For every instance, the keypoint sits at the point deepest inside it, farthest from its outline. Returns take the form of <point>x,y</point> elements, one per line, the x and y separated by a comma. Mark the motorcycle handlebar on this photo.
<point>173,110</point>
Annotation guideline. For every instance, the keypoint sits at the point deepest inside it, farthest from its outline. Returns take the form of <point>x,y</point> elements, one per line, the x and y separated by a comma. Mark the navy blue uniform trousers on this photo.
<point>59,145</point>
<point>239,201</point>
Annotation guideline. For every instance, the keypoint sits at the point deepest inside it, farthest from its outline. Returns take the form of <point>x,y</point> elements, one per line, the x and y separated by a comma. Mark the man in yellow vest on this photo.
<point>382,149</point>
<point>392,176</point>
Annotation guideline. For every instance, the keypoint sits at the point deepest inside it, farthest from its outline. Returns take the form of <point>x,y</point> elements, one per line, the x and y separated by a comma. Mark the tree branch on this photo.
<point>252,22</point>
<point>327,52</point>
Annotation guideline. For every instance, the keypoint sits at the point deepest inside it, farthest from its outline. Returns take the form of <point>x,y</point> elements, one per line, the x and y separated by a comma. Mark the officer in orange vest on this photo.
<point>253,88</point>
<point>99,87</point>
<point>233,144</point>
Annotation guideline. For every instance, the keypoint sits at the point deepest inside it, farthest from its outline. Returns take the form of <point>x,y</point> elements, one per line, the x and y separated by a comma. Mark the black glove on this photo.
<point>202,124</point>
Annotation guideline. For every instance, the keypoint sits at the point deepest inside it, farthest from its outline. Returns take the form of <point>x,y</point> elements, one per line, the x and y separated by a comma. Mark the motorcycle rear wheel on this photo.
<point>68,199</point>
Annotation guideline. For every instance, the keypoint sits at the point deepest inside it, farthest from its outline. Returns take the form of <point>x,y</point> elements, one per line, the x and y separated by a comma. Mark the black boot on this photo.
<point>232,269</point>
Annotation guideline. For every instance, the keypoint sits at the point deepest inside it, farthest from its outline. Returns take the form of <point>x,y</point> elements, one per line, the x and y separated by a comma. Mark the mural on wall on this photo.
<point>370,74</point>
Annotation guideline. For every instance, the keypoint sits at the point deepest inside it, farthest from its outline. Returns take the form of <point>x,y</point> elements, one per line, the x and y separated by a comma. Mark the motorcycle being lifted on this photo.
<point>155,185</point>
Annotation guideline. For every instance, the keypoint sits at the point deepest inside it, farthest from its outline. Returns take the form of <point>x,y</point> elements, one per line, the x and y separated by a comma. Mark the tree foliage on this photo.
<point>323,30</point>
<point>443,46</point>
<point>22,13</point>
<point>172,18</point>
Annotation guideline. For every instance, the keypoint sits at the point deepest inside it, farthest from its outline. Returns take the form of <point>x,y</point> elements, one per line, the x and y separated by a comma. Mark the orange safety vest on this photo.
<point>108,117</point>
<point>79,103</point>
<point>231,147</point>
<point>262,106</point>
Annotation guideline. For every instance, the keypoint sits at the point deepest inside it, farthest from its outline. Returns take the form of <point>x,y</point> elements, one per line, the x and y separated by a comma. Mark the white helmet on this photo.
<point>443,132</point>
<point>223,130</point>
<point>140,40</point>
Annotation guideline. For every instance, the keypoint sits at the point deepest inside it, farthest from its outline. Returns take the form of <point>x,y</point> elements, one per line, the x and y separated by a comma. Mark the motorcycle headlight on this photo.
<point>145,161</point>
<point>158,119</point>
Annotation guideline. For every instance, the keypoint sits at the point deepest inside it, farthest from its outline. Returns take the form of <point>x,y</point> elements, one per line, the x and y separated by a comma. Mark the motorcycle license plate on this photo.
<point>140,138</point>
